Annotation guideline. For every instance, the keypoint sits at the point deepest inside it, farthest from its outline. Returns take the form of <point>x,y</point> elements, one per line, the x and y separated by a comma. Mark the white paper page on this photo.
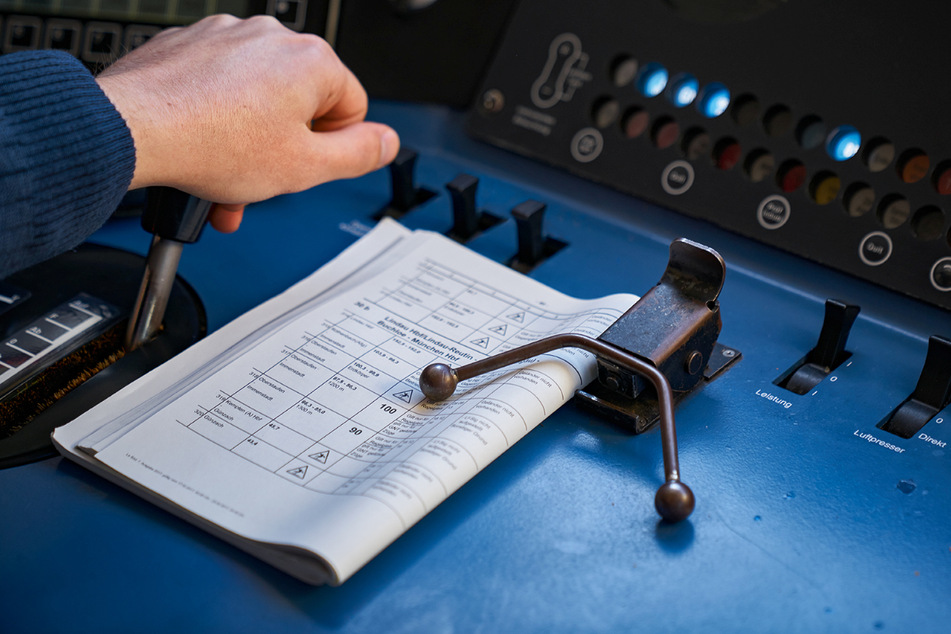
<point>360,261</point>
<point>318,435</point>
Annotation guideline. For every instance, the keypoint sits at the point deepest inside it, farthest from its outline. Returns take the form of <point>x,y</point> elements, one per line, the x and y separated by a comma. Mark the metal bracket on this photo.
<point>674,327</point>
<point>657,351</point>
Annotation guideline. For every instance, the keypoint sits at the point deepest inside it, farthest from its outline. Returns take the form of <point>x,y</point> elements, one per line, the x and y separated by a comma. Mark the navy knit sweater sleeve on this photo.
<point>66,156</point>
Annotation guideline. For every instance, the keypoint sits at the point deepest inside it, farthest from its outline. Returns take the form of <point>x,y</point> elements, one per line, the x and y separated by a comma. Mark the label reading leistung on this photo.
<point>52,336</point>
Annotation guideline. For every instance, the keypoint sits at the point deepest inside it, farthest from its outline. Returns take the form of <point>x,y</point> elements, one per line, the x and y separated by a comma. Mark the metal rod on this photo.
<point>152,300</point>
<point>674,500</point>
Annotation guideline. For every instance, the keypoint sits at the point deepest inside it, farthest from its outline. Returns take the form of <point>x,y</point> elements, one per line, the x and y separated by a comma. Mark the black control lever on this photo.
<point>175,219</point>
<point>668,339</point>
<point>467,219</point>
<point>931,395</point>
<point>533,245</point>
<point>829,352</point>
<point>405,195</point>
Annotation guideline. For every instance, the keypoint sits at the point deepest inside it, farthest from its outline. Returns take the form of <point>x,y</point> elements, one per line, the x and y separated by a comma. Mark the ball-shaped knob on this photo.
<point>674,501</point>
<point>438,381</point>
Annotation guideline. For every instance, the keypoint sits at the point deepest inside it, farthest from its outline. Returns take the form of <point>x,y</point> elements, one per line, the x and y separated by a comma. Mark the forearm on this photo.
<point>66,156</point>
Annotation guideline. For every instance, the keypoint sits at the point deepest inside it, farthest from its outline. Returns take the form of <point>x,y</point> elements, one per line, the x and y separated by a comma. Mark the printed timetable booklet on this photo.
<point>298,432</point>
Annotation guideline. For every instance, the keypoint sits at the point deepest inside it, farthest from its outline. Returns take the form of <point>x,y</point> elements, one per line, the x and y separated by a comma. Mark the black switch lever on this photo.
<point>175,218</point>
<point>467,220</point>
<point>405,194</point>
<point>931,395</point>
<point>533,245</point>
<point>829,352</point>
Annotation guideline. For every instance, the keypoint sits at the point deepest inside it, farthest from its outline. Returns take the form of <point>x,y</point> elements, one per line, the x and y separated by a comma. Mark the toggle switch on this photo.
<point>931,395</point>
<point>829,352</point>
<point>533,245</point>
<point>405,194</point>
<point>468,221</point>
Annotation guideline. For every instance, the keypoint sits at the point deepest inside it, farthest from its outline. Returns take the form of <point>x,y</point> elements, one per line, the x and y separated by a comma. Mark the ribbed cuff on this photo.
<point>66,156</point>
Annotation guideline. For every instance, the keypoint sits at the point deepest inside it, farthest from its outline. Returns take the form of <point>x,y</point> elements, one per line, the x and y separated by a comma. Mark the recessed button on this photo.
<point>759,165</point>
<point>138,34</point>
<point>605,112</point>
<point>696,144</point>
<point>23,34</point>
<point>665,132</point>
<point>635,122</point>
<point>677,178</point>
<point>773,212</point>
<point>586,145</point>
<point>893,211</point>
<point>101,42</point>
<point>913,166</point>
<point>777,121</point>
<point>928,223</point>
<point>843,143</point>
<point>682,89</point>
<point>879,154</point>
<point>727,153</point>
<point>859,199</point>
<point>63,35</point>
<point>651,79</point>
<point>623,70</point>
<point>791,175</point>
<point>810,132</point>
<point>825,187</point>
<point>941,275</point>
<point>942,178</point>
<point>875,248</point>
<point>745,110</point>
<point>713,100</point>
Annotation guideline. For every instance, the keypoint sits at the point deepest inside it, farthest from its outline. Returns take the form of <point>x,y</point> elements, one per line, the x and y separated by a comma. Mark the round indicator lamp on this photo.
<point>652,79</point>
<point>843,143</point>
<point>682,90</point>
<point>714,100</point>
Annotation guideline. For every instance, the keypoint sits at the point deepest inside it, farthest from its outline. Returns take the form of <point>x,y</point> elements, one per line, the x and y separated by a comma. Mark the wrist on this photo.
<point>145,125</point>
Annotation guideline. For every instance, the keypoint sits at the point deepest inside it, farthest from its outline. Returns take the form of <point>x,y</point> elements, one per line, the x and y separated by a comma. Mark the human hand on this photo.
<point>237,111</point>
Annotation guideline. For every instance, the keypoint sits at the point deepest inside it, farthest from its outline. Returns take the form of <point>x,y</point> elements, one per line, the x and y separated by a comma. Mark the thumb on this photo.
<point>353,150</point>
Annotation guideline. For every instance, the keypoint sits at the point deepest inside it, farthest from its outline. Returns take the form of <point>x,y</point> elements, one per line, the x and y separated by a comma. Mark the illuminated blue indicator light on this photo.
<point>714,100</point>
<point>652,79</point>
<point>682,90</point>
<point>843,143</point>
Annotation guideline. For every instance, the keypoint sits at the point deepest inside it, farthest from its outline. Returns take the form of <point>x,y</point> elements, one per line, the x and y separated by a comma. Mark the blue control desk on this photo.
<point>808,517</point>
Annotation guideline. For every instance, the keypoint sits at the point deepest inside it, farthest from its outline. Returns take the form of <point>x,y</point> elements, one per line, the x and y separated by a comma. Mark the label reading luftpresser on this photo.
<point>877,441</point>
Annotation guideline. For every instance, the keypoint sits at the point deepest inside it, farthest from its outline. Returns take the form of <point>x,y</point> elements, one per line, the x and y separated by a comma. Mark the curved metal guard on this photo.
<point>674,500</point>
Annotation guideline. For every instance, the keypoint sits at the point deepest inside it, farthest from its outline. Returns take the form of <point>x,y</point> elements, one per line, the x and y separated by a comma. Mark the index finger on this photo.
<point>344,104</point>
<point>226,218</point>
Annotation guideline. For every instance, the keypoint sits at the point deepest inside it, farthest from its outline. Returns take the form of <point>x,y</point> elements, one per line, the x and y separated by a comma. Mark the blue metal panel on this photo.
<point>802,523</point>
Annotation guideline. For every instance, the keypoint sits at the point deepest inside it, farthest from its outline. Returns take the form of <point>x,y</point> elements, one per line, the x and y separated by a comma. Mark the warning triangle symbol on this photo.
<point>320,457</point>
<point>482,342</point>
<point>519,317</point>
<point>500,329</point>
<point>298,472</point>
<point>406,395</point>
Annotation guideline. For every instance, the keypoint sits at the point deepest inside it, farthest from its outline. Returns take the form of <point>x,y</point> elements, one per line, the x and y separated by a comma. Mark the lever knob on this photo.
<point>172,214</point>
